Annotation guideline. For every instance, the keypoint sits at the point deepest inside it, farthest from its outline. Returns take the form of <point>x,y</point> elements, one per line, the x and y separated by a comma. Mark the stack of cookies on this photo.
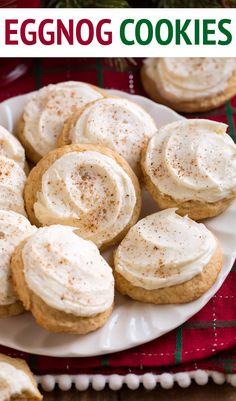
<point>92,155</point>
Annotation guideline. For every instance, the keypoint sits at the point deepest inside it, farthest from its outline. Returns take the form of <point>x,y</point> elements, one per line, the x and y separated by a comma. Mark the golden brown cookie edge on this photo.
<point>33,183</point>
<point>177,294</point>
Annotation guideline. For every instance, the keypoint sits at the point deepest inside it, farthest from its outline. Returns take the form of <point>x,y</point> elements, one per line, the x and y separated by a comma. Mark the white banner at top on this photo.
<point>153,32</point>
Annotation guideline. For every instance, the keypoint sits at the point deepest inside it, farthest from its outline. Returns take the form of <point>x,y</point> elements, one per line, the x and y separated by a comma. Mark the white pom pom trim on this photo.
<point>65,382</point>
<point>82,382</point>
<point>148,380</point>
<point>98,382</point>
<point>183,379</point>
<point>48,382</point>
<point>115,382</point>
<point>132,381</point>
<point>166,380</point>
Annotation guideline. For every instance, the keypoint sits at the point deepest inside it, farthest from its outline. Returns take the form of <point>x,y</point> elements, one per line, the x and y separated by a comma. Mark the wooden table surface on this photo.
<point>210,392</point>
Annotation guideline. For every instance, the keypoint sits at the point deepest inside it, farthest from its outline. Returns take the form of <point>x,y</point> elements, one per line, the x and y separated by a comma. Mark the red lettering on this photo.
<point>90,32</point>
<point>41,33</point>
<point>68,33</point>
<point>108,34</point>
<point>9,32</point>
<point>23,28</point>
<point>47,34</point>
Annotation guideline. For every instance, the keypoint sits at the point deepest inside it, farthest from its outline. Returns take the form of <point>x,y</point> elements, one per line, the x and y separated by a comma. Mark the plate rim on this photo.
<point>202,300</point>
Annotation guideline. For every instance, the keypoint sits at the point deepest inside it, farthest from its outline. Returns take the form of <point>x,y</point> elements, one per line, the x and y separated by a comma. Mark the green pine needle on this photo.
<point>194,3</point>
<point>111,3</point>
<point>121,64</point>
<point>88,3</point>
<point>153,3</point>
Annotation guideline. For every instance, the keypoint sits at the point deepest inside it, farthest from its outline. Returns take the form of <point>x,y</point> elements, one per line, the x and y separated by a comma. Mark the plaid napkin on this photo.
<point>21,4</point>
<point>207,340</point>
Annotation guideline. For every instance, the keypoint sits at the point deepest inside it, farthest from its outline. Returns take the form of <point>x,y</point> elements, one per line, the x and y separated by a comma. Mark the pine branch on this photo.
<point>88,3</point>
<point>111,4</point>
<point>194,3</point>
<point>229,3</point>
<point>150,3</point>
<point>121,64</point>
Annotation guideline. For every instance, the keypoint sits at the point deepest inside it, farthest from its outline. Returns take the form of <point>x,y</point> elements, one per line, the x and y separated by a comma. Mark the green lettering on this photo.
<point>138,32</point>
<point>225,31</point>
<point>197,32</point>
<point>122,32</point>
<point>180,32</point>
<point>207,31</point>
<point>170,33</point>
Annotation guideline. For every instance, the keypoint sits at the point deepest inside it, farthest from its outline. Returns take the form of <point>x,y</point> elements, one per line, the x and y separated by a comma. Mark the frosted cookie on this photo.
<point>12,182</point>
<point>190,84</point>
<point>46,112</point>
<point>116,123</point>
<point>191,165</point>
<point>10,147</point>
<point>16,381</point>
<point>63,280</point>
<point>86,186</point>
<point>13,229</point>
<point>166,258</point>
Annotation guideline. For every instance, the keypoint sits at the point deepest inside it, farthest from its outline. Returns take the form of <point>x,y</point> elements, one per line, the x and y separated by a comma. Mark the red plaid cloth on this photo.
<point>28,3</point>
<point>206,341</point>
<point>20,3</point>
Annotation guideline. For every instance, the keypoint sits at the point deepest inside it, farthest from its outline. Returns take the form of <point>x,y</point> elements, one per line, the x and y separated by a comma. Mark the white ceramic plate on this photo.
<point>132,323</point>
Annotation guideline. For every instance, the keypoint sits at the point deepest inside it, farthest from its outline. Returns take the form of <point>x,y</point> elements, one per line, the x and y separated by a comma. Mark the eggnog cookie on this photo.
<point>117,123</point>
<point>86,186</point>
<point>191,165</point>
<point>46,112</point>
<point>63,280</point>
<point>16,381</point>
<point>166,258</point>
<point>12,182</point>
<point>190,84</point>
<point>10,147</point>
<point>13,229</point>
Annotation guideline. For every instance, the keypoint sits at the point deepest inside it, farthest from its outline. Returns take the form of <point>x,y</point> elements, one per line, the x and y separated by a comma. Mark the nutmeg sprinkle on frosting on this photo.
<point>67,272</point>
<point>192,160</point>
<point>190,78</point>
<point>12,182</point>
<point>46,112</point>
<point>164,249</point>
<point>117,123</point>
<point>88,190</point>
<point>14,228</point>
<point>10,147</point>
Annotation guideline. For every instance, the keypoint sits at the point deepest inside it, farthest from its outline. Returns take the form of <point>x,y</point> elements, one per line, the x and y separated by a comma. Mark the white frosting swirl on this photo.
<point>192,160</point>
<point>67,272</point>
<point>117,123</point>
<point>10,147</point>
<point>164,249</point>
<point>12,182</point>
<point>88,190</point>
<point>14,382</point>
<point>14,228</point>
<point>190,78</point>
<point>48,109</point>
